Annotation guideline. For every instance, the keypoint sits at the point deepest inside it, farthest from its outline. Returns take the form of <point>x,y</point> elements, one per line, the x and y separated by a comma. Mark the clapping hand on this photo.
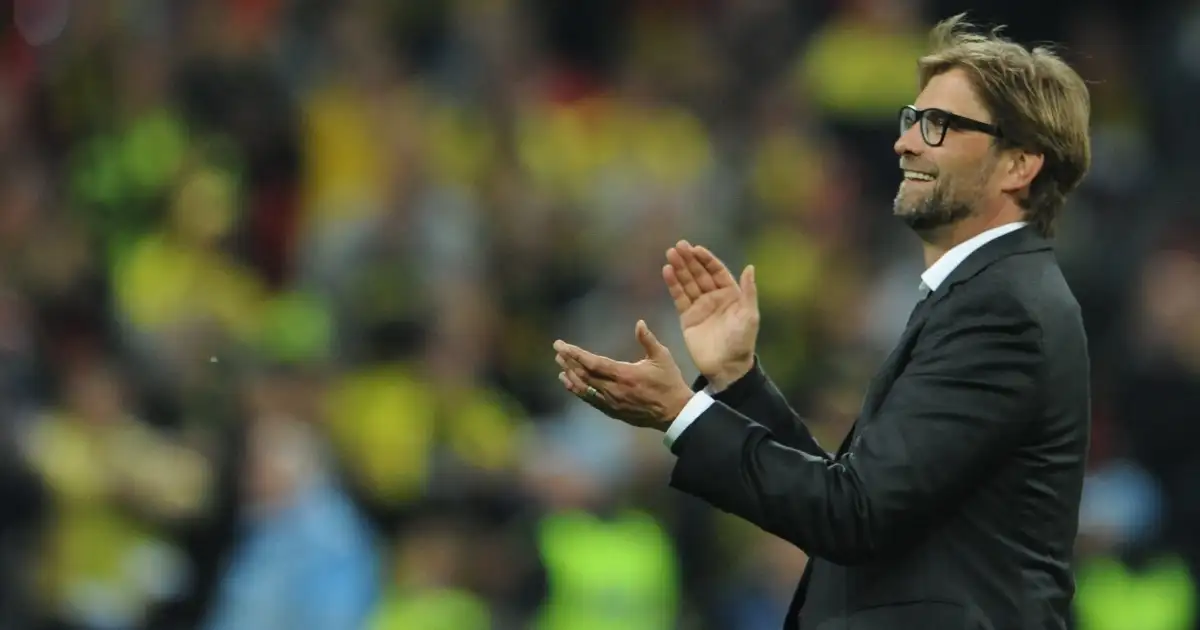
<point>648,393</point>
<point>718,314</point>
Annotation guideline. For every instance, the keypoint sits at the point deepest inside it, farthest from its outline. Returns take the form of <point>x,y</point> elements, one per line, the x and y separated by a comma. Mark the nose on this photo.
<point>910,142</point>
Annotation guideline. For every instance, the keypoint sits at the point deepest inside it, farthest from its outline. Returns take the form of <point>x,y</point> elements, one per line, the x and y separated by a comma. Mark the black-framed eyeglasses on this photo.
<point>936,122</point>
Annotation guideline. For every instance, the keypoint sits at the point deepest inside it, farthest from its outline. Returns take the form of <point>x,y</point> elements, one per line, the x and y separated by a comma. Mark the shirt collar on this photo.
<point>941,269</point>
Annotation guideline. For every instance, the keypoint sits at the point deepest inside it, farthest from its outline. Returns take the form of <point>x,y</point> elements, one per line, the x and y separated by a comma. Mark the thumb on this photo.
<point>654,349</point>
<point>749,286</point>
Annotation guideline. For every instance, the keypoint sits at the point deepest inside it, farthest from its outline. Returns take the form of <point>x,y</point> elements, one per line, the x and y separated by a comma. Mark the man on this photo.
<point>953,503</point>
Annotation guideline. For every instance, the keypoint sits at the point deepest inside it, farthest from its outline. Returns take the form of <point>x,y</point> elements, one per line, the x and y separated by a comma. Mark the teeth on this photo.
<point>918,176</point>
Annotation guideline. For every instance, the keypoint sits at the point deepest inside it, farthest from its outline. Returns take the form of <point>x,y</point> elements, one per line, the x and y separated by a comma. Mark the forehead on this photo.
<point>953,92</point>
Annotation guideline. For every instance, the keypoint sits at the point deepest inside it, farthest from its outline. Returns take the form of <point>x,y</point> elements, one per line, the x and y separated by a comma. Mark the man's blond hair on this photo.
<point>1040,104</point>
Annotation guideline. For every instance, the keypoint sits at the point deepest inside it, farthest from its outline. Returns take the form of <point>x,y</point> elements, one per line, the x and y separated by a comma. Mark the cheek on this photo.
<point>984,179</point>
<point>958,183</point>
<point>950,184</point>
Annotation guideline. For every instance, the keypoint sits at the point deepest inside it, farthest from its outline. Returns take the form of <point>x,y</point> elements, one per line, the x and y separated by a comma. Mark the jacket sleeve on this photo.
<point>756,396</point>
<point>961,403</point>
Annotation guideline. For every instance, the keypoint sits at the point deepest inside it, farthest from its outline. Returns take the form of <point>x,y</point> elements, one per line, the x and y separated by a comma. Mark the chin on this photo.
<point>909,200</point>
<point>929,220</point>
<point>909,207</point>
<point>923,223</point>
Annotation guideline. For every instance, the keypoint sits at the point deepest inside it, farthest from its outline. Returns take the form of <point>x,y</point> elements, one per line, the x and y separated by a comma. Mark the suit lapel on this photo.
<point>896,360</point>
<point>889,370</point>
<point>1020,241</point>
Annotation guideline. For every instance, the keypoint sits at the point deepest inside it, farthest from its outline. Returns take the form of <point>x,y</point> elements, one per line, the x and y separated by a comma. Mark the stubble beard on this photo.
<point>931,213</point>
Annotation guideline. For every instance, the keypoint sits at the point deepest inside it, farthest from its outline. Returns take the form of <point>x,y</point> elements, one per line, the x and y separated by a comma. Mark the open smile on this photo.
<point>917,176</point>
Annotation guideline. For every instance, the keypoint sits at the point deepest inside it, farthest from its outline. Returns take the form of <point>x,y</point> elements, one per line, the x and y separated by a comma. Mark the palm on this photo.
<point>719,318</point>
<point>717,329</point>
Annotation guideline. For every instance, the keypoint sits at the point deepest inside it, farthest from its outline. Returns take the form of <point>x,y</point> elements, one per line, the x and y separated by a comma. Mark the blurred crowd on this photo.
<point>279,281</point>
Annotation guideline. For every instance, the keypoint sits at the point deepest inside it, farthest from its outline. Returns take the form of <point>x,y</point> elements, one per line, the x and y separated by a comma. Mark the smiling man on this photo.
<point>953,503</point>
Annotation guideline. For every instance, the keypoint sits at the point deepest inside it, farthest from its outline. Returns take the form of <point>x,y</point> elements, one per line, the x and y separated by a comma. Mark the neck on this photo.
<point>938,241</point>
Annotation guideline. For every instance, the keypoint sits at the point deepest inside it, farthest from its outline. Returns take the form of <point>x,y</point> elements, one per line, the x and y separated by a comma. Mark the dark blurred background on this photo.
<point>279,281</point>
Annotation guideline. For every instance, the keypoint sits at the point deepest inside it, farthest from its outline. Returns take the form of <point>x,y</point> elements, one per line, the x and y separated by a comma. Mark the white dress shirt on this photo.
<point>931,279</point>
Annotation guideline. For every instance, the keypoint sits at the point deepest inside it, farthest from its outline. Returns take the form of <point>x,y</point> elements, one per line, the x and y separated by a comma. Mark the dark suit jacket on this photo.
<point>953,504</point>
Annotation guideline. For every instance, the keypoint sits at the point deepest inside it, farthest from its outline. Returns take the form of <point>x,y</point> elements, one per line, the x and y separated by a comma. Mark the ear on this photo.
<point>1020,170</point>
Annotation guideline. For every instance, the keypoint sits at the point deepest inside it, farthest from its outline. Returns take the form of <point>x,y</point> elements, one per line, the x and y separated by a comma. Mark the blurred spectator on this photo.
<point>427,588</point>
<point>115,484</point>
<point>608,565</point>
<point>304,557</point>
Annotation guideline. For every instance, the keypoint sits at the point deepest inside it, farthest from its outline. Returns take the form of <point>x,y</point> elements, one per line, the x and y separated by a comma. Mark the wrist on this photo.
<point>730,374</point>
<point>679,400</point>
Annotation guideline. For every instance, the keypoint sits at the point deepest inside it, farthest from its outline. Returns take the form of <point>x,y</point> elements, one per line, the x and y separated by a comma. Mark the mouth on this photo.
<point>917,176</point>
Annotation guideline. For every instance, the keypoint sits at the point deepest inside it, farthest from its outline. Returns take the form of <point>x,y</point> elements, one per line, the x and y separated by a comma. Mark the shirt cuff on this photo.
<point>699,403</point>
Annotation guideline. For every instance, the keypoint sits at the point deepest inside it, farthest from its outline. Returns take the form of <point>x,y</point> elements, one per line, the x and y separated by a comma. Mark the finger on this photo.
<point>654,349</point>
<point>675,288</point>
<point>593,365</point>
<point>686,280</point>
<point>571,365</point>
<point>566,382</point>
<point>717,269</point>
<point>573,372</point>
<point>703,278</point>
<point>749,287</point>
<point>577,386</point>
<point>598,403</point>
<point>574,382</point>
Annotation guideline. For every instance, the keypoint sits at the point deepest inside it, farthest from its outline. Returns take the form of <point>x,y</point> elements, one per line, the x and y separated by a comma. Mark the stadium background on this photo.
<point>279,281</point>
